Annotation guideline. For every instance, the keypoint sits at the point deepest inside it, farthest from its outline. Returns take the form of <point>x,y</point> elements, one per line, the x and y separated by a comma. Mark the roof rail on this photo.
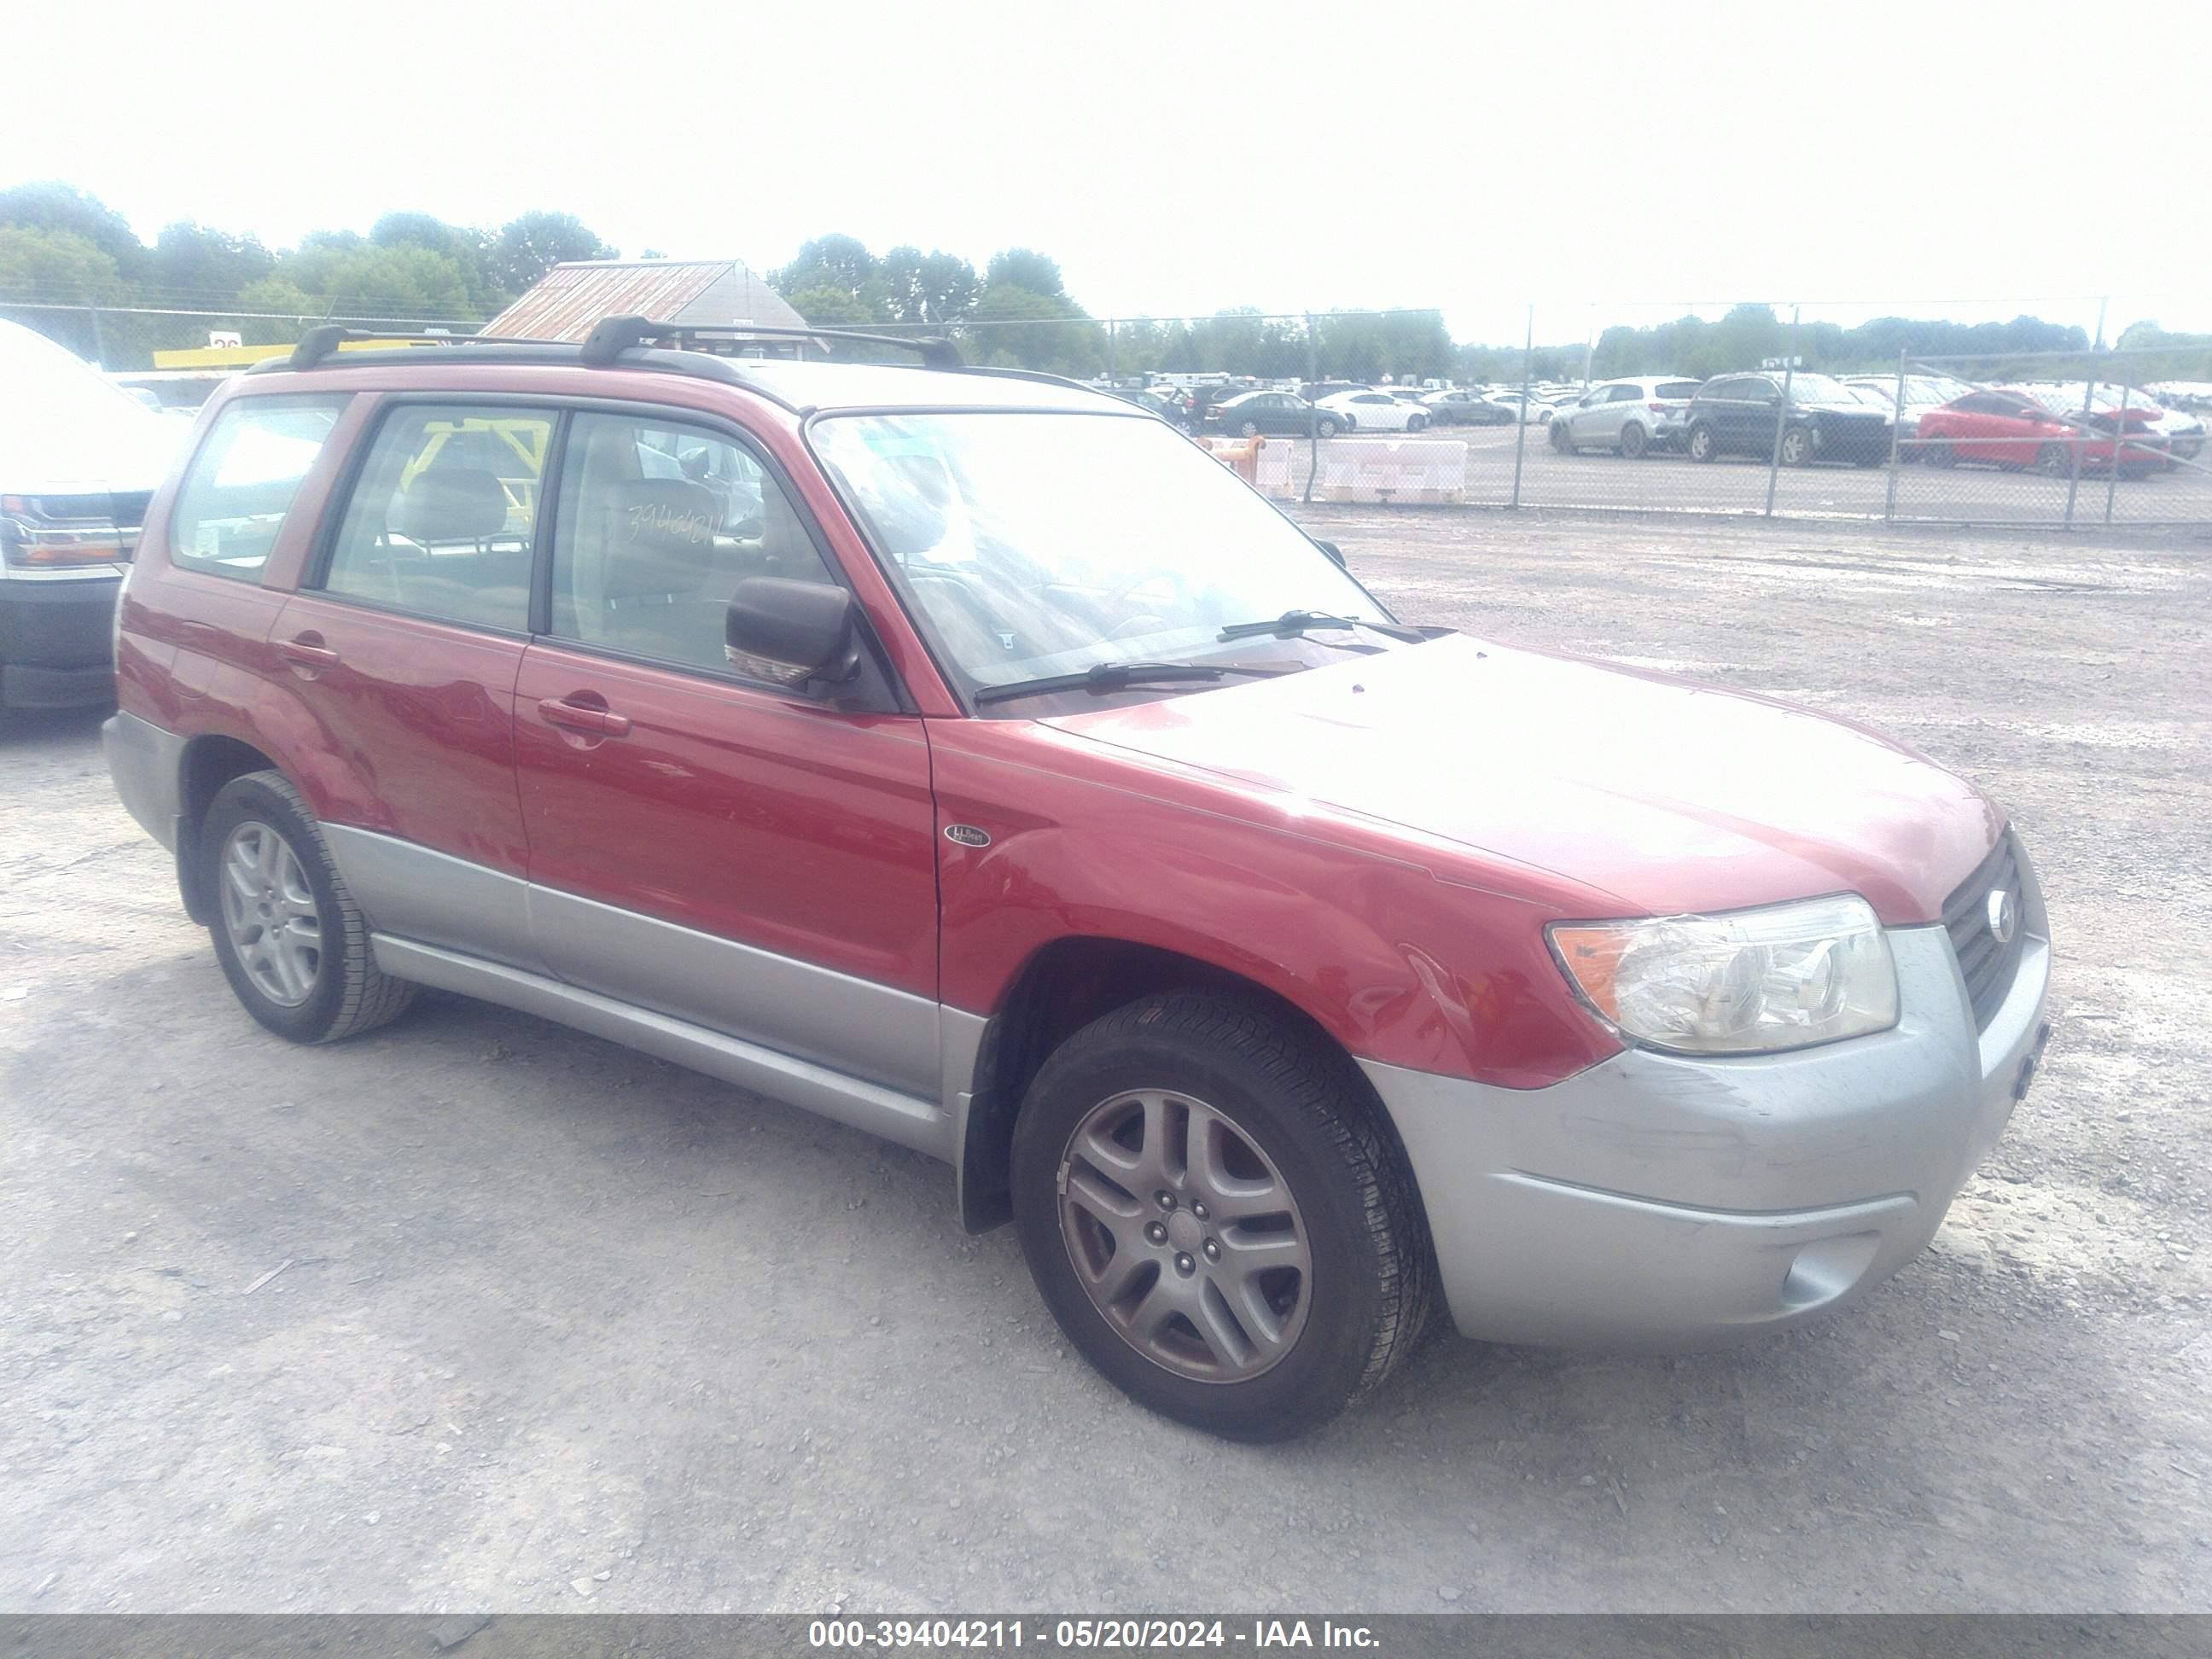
<point>322,341</point>
<point>612,336</point>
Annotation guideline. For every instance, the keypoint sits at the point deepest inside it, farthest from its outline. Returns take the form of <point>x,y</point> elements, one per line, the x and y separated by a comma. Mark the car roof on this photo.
<point>804,388</point>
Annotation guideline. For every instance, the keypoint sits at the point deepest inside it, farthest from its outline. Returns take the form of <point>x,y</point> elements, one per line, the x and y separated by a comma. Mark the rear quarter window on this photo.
<point>1677,389</point>
<point>241,482</point>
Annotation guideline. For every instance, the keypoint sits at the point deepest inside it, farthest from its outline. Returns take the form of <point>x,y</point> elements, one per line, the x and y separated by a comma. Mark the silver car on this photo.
<point>1629,416</point>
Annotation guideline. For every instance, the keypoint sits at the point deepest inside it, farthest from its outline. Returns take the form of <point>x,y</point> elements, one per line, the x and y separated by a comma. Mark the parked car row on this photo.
<point>1805,417</point>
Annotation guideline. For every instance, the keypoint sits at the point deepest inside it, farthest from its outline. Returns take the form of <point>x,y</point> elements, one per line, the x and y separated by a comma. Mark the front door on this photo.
<point>714,846</point>
<point>402,648</point>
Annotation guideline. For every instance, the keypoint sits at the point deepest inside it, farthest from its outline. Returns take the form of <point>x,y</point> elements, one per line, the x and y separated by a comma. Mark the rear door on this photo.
<point>403,643</point>
<point>706,844</point>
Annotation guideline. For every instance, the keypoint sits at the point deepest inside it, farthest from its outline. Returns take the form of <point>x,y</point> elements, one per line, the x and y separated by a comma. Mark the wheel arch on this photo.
<point>209,761</point>
<point>1064,986</point>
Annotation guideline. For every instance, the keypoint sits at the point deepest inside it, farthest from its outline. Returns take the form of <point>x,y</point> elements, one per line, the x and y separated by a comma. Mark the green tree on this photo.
<point>474,251</point>
<point>1022,328</point>
<point>529,246</point>
<point>56,267</point>
<point>279,294</point>
<point>52,205</point>
<point>828,305</point>
<point>935,287</point>
<point>1021,267</point>
<point>194,266</point>
<point>841,262</point>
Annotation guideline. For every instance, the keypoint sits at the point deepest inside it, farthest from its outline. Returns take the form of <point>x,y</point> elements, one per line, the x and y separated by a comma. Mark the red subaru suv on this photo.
<point>968,757</point>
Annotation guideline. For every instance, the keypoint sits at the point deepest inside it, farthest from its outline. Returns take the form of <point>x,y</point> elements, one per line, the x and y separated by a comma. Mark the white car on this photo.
<point>1538,412</point>
<point>1631,416</point>
<point>1370,410</point>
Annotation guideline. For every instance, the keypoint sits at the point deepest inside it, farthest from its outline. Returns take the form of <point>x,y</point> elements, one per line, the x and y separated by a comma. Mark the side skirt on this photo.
<point>910,1121</point>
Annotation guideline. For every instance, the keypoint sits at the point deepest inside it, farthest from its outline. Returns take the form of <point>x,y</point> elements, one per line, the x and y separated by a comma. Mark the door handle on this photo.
<point>574,717</point>
<point>307,654</point>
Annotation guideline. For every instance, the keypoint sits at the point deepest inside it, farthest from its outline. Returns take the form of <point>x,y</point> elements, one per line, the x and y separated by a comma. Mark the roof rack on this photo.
<point>612,336</point>
<point>322,341</point>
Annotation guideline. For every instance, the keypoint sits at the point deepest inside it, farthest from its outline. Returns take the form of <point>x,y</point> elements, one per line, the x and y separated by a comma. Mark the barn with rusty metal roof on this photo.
<point>706,293</point>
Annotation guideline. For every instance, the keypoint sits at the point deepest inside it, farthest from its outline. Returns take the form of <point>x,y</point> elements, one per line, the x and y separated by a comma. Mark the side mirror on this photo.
<point>789,632</point>
<point>1333,552</point>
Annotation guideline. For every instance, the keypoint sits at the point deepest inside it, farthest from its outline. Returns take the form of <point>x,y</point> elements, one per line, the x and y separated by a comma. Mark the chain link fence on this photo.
<point>1758,411</point>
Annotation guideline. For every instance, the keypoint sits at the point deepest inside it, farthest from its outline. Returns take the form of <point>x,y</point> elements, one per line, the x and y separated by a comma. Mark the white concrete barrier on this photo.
<point>1429,471</point>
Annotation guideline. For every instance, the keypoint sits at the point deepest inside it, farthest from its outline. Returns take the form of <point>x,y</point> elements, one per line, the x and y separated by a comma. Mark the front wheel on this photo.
<point>1703,446</point>
<point>1796,447</point>
<point>292,942</point>
<point>1216,1219</point>
<point>1562,440</point>
<point>2051,460</point>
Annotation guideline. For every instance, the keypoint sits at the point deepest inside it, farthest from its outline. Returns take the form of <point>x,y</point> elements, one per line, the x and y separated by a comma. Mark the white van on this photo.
<point>79,460</point>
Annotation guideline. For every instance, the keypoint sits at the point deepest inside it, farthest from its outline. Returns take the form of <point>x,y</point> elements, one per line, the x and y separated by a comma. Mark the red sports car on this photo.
<point>2015,430</point>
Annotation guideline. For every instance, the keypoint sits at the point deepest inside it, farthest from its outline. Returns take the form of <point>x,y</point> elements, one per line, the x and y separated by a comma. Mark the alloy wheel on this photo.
<point>269,912</point>
<point>1185,1236</point>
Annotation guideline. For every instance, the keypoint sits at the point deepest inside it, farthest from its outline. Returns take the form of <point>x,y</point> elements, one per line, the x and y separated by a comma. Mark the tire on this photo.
<point>1562,440</point>
<point>1250,428</point>
<point>1325,429</point>
<point>2051,460</point>
<point>1418,423</point>
<point>1796,446</point>
<point>264,858</point>
<point>1634,442</point>
<point>1285,1117</point>
<point>1703,446</point>
<point>1938,451</point>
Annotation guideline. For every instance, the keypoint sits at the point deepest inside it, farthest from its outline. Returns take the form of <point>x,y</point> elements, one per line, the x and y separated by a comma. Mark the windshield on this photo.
<point>1036,544</point>
<point>1817,389</point>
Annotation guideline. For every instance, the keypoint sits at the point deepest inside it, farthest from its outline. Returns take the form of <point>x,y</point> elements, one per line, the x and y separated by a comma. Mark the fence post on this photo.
<point>2088,397</point>
<point>1312,432</point>
<point>99,344</point>
<point>1527,373</point>
<point>1782,411</point>
<point>2119,447</point>
<point>1112,372</point>
<point>1896,426</point>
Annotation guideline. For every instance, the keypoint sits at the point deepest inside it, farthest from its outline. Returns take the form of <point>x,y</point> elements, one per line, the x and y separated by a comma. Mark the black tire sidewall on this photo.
<point>248,799</point>
<point>1642,441</point>
<point>1325,1364</point>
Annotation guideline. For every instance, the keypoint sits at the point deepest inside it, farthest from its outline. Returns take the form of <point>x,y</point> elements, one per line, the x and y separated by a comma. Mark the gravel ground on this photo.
<point>477,1313</point>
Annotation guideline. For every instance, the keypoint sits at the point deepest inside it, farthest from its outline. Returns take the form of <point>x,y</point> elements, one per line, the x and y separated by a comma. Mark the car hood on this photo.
<point>1653,794</point>
<point>124,450</point>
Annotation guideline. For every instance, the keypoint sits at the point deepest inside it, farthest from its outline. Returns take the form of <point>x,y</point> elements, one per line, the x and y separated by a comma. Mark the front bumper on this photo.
<point>58,641</point>
<point>1659,1201</point>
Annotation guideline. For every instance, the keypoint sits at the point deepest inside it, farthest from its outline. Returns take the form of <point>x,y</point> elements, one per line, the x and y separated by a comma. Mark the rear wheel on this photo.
<point>1417,423</point>
<point>1326,429</point>
<point>1250,428</point>
<point>1634,441</point>
<point>1704,446</point>
<point>292,942</point>
<point>1216,1218</point>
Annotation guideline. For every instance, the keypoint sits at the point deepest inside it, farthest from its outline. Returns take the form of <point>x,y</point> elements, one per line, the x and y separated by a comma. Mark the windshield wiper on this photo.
<point>1301,622</point>
<point>1113,676</point>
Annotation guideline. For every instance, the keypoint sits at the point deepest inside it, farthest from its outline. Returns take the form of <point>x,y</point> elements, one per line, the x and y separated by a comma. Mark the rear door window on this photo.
<point>443,518</point>
<point>242,481</point>
<point>1677,389</point>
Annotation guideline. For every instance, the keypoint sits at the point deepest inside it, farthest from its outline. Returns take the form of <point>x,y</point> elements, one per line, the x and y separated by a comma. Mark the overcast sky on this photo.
<point>1608,164</point>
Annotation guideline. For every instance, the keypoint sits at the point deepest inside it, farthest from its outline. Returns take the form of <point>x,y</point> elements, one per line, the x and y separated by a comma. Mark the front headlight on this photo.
<point>1750,981</point>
